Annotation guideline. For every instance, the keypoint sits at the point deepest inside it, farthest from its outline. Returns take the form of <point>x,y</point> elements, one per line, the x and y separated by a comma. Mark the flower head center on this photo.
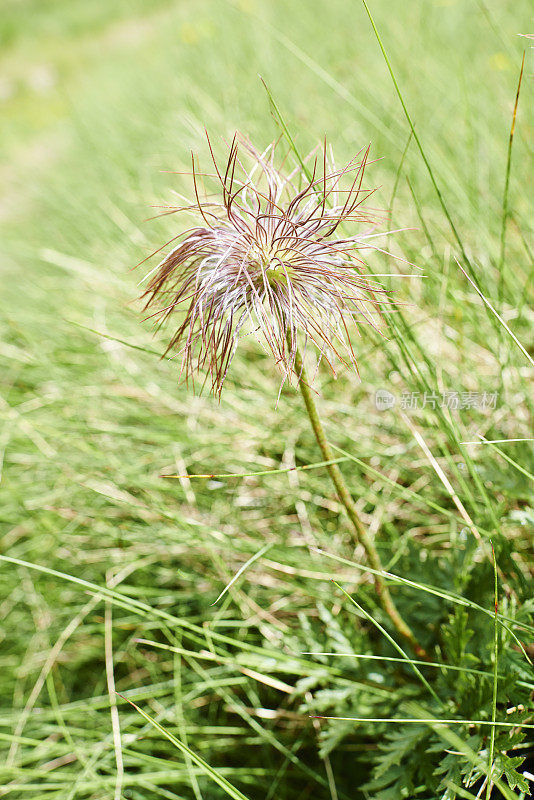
<point>276,270</point>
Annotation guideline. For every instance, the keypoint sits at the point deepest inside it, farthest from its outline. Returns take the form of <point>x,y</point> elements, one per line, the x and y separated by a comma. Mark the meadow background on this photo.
<point>116,570</point>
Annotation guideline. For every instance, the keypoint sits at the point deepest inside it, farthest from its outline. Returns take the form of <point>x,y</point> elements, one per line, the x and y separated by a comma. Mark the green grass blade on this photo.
<point>230,790</point>
<point>392,641</point>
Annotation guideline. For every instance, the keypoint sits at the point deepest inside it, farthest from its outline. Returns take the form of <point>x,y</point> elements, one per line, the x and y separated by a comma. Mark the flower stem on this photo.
<point>344,495</point>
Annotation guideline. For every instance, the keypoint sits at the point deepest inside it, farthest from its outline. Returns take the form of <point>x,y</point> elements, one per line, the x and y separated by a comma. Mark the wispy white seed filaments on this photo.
<point>267,258</point>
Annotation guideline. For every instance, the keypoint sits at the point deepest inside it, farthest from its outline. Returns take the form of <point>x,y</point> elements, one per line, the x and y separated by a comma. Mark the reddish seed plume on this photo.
<point>267,257</point>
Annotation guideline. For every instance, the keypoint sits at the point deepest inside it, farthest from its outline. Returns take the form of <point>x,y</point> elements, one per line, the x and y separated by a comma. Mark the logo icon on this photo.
<point>384,399</point>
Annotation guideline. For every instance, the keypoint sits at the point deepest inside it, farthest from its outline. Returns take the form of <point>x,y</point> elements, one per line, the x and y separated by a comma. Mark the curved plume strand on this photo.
<point>265,260</point>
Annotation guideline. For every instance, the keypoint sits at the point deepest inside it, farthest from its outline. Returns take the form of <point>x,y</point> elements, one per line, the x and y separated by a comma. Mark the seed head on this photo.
<point>267,257</point>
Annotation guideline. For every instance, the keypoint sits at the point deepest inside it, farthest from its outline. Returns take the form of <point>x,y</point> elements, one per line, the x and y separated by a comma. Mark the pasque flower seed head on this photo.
<point>268,257</point>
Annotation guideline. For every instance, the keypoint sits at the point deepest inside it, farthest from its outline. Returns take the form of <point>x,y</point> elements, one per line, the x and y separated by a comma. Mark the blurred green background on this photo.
<point>98,102</point>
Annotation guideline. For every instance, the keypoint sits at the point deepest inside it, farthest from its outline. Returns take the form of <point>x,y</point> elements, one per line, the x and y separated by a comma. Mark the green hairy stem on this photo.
<point>361,535</point>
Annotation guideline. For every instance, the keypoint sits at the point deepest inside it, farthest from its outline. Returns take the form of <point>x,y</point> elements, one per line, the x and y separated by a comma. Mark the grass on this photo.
<point>208,602</point>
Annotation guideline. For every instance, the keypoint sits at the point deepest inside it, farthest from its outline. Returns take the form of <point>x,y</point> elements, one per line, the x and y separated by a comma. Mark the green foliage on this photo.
<point>411,758</point>
<point>116,570</point>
